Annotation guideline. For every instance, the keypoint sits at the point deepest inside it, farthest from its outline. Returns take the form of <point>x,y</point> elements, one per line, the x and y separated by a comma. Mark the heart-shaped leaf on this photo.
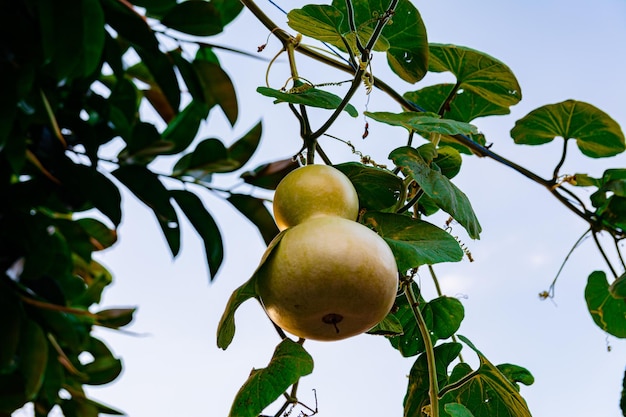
<point>596,133</point>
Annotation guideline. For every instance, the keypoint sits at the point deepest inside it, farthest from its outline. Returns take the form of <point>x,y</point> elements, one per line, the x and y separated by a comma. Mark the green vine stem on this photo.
<point>433,385</point>
<point>475,147</point>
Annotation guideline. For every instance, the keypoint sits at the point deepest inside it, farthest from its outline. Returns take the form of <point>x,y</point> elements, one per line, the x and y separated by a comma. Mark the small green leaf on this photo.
<point>516,374</point>
<point>377,188</point>
<point>194,17</point>
<point>414,242</point>
<point>206,227</point>
<point>439,188</point>
<point>443,317</point>
<point>114,318</point>
<point>145,185</point>
<point>424,124</point>
<point>596,133</point>
<point>312,97</point>
<point>607,312</point>
<point>457,410</point>
<point>269,175</point>
<point>476,72</point>
<point>226,326</point>
<point>101,237</point>
<point>389,326</point>
<point>254,209</point>
<point>448,160</point>
<point>105,367</point>
<point>289,363</point>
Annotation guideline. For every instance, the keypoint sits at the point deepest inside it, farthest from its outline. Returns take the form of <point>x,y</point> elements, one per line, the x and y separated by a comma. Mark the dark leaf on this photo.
<point>206,227</point>
<point>289,363</point>
<point>254,209</point>
<point>216,85</point>
<point>195,17</point>
<point>378,189</point>
<point>146,186</point>
<point>104,368</point>
<point>11,311</point>
<point>182,130</point>
<point>33,357</point>
<point>269,175</point>
<point>115,318</point>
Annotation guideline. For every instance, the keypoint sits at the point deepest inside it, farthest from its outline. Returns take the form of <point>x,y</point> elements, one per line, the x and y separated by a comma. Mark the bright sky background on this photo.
<point>558,50</point>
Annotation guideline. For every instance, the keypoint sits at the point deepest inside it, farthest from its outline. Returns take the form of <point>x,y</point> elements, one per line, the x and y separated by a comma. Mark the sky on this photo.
<point>558,50</point>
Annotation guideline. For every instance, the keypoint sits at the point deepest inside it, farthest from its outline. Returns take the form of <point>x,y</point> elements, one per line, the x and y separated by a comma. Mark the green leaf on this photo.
<point>194,17</point>
<point>377,188</point>
<point>405,33</point>
<point>516,374</point>
<point>216,85</point>
<point>312,97</point>
<point>617,289</point>
<point>11,311</point>
<point>145,185</point>
<point>206,227</point>
<point>414,242</point>
<point>622,402</point>
<point>114,318</point>
<point>439,188</point>
<point>105,367</point>
<point>610,198</point>
<point>448,160</point>
<point>254,210</point>
<point>269,175</point>
<point>133,27</point>
<point>289,363</point>
<point>33,357</point>
<point>486,392</point>
<point>476,72</point>
<point>597,134</point>
<point>226,326</point>
<point>608,313</point>
<point>417,391</point>
<point>424,124</point>
<point>464,107</point>
<point>182,130</point>
<point>100,236</point>
<point>319,21</point>
<point>457,410</point>
<point>211,156</point>
<point>389,326</point>
<point>72,34</point>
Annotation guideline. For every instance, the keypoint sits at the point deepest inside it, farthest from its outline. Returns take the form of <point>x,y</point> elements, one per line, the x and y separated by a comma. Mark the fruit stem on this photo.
<point>433,386</point>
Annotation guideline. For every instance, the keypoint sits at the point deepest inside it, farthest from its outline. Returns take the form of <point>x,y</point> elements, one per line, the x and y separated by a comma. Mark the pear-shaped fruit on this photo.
<point>329,278</point>
<point>314,190</point>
